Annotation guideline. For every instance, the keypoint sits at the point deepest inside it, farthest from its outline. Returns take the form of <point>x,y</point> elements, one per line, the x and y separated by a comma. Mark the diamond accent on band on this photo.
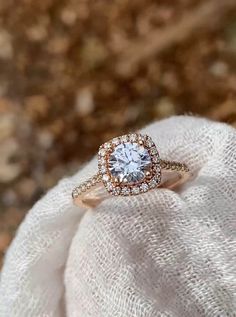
<point>77,191</point>
<point>129,161</point>
<point>130,165</point>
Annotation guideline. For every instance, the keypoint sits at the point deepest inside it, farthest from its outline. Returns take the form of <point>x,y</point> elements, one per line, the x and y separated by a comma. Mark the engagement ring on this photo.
<point>129,165</point>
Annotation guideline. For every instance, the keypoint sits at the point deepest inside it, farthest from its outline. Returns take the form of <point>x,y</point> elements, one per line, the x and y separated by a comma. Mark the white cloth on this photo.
<point>161,253</point>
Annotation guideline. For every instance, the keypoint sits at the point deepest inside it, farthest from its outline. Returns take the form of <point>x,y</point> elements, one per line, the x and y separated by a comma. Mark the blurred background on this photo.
<point>76,73</point>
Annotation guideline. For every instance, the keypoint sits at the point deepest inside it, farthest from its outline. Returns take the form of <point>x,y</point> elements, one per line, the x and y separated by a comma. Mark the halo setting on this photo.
<point>129,165</point>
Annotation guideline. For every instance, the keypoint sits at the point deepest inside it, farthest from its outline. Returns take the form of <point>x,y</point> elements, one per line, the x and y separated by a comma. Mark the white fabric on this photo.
<point>162,253</point>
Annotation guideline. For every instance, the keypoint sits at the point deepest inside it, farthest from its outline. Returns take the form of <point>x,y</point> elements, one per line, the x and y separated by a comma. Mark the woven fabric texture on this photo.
<point>159,254</point>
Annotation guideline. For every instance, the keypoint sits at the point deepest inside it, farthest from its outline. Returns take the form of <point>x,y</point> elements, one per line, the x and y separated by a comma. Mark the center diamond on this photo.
<point>129,162</point>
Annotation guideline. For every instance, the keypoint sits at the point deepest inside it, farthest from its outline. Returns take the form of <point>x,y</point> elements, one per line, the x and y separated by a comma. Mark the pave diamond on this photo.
<point>144,187</point>
<point>125,191</point>
<point>133,137</point>
<point>135,190</point>
<point>116,141</point>
<point>152,183</point>
<point>102,152</point>
<point>103,170</point>
<point>105,178</point>
<point>129,161</point>
<point>116,191</point>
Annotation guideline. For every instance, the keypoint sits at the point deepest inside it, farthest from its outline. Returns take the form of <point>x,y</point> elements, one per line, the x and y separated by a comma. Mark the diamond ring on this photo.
<point>129,165</point>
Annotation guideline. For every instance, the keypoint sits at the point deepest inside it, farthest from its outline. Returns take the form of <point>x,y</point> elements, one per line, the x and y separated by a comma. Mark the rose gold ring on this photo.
<point>129,165</point>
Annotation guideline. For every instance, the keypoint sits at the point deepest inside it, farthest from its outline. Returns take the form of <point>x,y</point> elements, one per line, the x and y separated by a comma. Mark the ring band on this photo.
<point>129,165</point>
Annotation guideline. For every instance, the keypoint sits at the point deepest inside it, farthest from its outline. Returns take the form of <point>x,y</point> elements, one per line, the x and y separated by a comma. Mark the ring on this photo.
<point>129,165</point>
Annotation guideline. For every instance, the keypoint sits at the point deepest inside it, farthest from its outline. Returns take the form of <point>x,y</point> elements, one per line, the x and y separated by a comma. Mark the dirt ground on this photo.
<point>76,73</point>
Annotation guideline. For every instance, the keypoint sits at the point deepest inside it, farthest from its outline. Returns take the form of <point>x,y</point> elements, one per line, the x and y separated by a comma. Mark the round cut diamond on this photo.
<point>153,150</point>
<point>116,141</point>
<point>129,161</point>
<point>124,138</point>
<point>133,137</point>
<point>116,191</point>
<point>144,187</point>
<point>102,152</point>
<point>153,183</point>
<point>105,178</point>
<point>125,191</point>
<point>103,169</point>
<point>109,187</point>
<point>135,190</point>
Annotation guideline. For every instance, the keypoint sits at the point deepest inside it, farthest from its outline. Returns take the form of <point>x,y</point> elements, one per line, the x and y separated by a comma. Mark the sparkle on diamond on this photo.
<point>129,161</point>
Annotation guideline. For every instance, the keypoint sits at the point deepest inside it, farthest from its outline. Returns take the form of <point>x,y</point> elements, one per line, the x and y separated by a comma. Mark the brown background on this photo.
<point>75,73</point>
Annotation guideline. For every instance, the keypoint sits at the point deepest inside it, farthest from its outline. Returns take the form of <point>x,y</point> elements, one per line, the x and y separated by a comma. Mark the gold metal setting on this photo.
<point>152,179</point>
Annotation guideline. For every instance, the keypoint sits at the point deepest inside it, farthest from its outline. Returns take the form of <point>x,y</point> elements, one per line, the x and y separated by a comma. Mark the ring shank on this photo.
<point>173,179</point>
<point>92,198</point>
<point>173,175</point>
